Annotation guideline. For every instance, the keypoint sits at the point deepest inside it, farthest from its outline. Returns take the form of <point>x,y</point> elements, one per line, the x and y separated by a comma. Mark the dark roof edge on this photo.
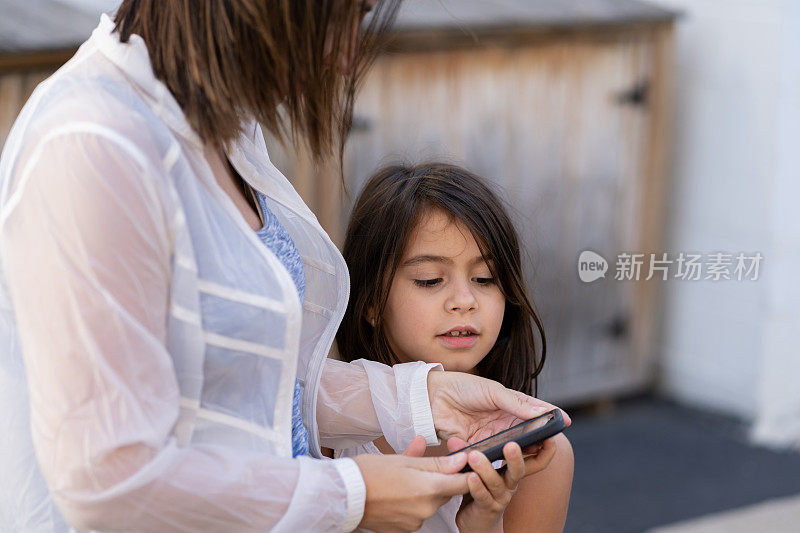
<point>32,60</point>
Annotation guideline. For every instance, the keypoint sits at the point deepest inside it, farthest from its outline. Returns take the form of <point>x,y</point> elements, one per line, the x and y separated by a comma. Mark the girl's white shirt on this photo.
<point>160,338</point>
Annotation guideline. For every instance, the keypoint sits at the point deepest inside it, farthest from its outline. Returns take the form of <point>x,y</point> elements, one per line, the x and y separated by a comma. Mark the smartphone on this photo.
<point>525,434</point>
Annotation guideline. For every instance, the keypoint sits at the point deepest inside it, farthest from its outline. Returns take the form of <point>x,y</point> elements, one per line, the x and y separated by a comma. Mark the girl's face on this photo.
<point>444,306</point>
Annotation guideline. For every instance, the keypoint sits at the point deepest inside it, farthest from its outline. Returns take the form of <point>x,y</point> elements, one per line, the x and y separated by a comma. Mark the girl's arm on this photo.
<point>541,501</point>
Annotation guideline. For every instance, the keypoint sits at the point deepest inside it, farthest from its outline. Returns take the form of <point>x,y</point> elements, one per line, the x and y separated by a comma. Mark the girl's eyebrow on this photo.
<point>418,259</point>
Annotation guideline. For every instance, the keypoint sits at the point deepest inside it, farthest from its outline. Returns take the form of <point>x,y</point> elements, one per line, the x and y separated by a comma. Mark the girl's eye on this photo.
<point>427,282</point>
<point>484,281</point>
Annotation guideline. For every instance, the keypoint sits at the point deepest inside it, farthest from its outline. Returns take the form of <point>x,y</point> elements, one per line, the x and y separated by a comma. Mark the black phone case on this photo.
<point>556,425</point>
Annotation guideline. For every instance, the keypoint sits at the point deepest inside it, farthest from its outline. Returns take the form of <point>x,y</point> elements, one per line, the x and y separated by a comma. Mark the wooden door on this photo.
<point>563,129</point>
<point>551,127</point>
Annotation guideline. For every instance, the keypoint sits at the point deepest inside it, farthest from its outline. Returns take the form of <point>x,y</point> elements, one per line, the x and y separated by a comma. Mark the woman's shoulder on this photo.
<point>91,102</point>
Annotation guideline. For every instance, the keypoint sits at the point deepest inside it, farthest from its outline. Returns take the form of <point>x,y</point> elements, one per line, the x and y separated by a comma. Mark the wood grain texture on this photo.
<point>580,162</point>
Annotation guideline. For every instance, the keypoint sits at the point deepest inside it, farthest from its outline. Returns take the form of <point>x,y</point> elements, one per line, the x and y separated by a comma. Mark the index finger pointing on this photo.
<point>447,464</point>
<point>450,484</point>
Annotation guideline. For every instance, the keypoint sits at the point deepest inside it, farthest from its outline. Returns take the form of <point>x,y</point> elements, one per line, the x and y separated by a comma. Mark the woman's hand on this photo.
<point>405,490</point>
<point>472,408</point>
<point>489,491</point>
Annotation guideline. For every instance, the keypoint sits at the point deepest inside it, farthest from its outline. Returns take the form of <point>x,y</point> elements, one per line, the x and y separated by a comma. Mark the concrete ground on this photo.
<point>774,516</point>
<point>651,465</point>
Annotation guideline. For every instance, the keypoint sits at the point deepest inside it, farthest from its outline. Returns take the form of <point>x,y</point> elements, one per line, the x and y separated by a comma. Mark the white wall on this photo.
<point>736,183</point>
<point>779,394</point>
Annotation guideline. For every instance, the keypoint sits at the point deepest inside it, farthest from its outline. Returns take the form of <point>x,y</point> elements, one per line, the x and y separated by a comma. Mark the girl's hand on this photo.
<point>405,490</point>
<point>489,491</point>
<point>473,408</point>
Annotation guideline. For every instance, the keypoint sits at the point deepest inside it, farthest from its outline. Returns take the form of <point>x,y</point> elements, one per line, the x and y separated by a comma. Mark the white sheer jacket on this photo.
<point>150,341</point>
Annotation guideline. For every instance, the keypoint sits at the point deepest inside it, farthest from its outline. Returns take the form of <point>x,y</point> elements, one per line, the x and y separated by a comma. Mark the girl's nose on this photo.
<point>462,299</point>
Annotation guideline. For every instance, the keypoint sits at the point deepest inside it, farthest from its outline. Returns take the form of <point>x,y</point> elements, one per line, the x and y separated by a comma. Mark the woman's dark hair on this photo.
<point>386,212</point>
<point>222,59</point>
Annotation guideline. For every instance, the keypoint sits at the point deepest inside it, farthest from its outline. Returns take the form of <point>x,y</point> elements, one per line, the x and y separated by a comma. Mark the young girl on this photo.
<point>436,276</point>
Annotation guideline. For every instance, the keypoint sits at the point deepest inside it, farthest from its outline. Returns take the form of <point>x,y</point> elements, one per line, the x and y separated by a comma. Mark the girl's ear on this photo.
<point>369,316</point>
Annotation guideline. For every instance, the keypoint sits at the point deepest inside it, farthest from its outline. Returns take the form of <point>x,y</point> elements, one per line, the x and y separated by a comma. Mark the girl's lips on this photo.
<point>458,342</point>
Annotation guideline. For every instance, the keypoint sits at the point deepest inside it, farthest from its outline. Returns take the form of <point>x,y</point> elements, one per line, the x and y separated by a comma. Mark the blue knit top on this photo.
<point>277,239</point>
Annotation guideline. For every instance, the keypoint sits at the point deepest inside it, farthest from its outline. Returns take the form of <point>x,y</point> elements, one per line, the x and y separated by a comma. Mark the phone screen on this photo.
<point>511,433</point>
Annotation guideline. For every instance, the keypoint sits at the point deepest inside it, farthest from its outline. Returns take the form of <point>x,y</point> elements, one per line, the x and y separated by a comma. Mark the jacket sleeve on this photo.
<point>86,251</point>
<point>363,400</point>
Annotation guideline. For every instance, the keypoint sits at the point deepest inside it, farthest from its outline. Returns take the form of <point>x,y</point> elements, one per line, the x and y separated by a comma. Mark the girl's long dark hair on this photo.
<point>385,213</point>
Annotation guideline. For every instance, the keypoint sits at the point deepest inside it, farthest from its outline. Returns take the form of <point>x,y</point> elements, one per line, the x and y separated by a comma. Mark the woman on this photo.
<point>174,333</point>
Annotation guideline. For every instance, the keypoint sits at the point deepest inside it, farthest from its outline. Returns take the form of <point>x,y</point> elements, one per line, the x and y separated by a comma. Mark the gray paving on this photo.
<point>650,463</point>
<point>781,515</point>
